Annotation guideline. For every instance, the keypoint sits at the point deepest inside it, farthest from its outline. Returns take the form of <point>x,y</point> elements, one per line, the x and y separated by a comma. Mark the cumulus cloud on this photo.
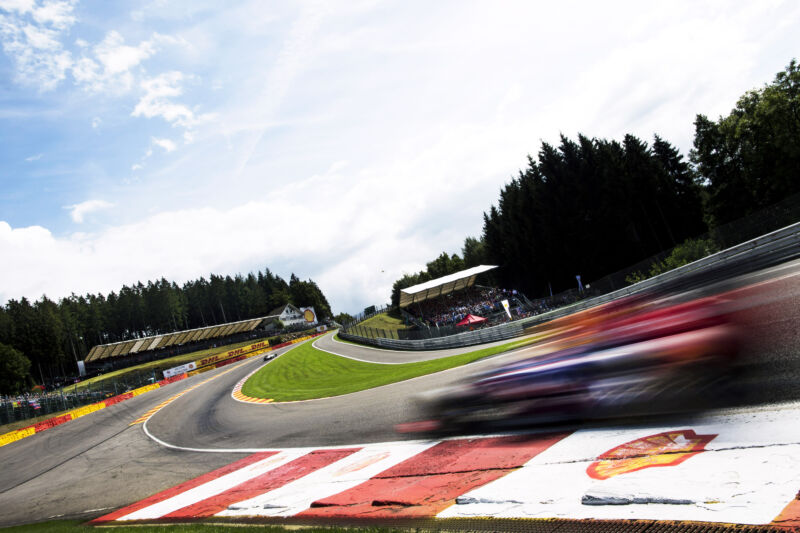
<point>167,144</point>
<point>30,33</point>
<point>157,100</point>
<point>111,64</point>
<point>79,211</point>
<point>193,241</point>
<point>55,13</point>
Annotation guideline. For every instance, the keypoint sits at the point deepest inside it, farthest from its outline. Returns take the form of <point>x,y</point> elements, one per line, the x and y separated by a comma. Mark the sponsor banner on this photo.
<point>178,370</point>
<point>245,350</point>
<point>309,315</point>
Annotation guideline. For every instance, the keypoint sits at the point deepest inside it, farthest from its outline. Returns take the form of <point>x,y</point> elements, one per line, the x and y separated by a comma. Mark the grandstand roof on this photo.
<point>444,285</point>
<point>118,349</point>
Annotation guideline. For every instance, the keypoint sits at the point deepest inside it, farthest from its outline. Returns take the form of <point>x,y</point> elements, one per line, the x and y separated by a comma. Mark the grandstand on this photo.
<point>445,301</point>
<point>104,352</point>
<point>441,286</point>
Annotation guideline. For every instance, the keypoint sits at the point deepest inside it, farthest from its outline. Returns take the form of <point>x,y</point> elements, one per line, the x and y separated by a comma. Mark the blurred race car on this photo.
<point>632,356</point>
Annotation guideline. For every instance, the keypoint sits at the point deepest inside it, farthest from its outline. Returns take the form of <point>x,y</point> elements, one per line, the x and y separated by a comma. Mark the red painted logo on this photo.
<point>663,449</point>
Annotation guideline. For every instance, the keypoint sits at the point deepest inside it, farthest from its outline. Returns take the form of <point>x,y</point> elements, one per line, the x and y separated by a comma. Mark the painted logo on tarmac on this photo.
<point>662,449</point>
<point>362,464</point>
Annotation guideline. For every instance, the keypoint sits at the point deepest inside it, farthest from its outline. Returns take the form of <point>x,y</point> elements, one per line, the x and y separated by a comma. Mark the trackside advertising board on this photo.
<point>214,359</point>
<point>182,369</point>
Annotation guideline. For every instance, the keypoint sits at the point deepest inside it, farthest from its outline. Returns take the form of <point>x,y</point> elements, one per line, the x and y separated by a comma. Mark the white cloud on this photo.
<point>35,48</point>
<point>117,57</point>
<point>34,158</point>
<point>79,211</point>
<point>112,64</point>
<point>157,99</point>
<point>167,144</point>
<point>56,13</point>
<point>20,6</point>
<point>96,121</point>
<point>377,134</point>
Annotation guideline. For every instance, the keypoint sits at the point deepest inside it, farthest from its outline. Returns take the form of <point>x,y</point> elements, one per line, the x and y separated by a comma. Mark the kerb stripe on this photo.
<point>192,483</point>
<point>429,482</point>
<point>259,485</point>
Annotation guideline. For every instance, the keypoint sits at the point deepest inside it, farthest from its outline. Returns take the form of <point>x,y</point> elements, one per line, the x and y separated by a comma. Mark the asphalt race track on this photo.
<point>100,462</point>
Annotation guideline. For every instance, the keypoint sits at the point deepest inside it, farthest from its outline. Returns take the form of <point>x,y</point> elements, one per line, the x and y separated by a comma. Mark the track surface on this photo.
<point>98,462</point>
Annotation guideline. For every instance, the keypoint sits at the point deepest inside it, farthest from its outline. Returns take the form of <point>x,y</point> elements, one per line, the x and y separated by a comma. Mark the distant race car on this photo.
<point>270,356</point>
<point>633,356</point>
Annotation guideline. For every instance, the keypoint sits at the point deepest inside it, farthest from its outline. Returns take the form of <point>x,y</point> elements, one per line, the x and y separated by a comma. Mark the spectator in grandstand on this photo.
<point>452,308</point>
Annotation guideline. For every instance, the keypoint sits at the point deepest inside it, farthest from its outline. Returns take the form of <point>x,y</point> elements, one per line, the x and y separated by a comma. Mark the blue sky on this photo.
<point>346,142</point>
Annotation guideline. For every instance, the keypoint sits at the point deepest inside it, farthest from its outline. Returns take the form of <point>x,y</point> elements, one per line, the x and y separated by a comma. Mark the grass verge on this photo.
<point>78,527</point>
<point>305,373</point>
<point>384,321</point>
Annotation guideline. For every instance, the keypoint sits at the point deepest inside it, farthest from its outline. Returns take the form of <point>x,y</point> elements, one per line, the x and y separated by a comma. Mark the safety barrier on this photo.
<point>44,425</point>
<point>782,244</point>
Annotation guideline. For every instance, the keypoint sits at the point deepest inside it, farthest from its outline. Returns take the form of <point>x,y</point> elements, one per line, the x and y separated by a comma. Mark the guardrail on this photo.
<point>779,245</point>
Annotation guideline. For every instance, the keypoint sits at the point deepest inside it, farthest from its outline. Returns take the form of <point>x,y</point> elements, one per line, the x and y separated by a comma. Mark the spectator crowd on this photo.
<point>449,309</point>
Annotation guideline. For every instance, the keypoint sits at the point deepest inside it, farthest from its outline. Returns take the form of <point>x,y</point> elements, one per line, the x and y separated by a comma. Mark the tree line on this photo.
<point>591,206</point>
<point>45,337</point>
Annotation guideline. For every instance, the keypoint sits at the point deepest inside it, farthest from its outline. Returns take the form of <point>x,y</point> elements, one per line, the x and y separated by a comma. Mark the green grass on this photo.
<point>384,321</point>
<point>78,527</point>
<point>305,373</point>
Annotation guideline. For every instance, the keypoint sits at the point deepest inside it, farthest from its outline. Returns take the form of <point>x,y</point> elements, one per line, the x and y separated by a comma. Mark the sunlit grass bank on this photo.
<point>306,373</point>
<point>384,321</point>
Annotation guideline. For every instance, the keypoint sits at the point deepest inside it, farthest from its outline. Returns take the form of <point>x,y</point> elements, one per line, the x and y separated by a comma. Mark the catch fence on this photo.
<point>28,406</point>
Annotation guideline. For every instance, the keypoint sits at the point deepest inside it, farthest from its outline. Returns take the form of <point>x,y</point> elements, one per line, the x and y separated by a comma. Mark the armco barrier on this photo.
<point>783,243</point>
